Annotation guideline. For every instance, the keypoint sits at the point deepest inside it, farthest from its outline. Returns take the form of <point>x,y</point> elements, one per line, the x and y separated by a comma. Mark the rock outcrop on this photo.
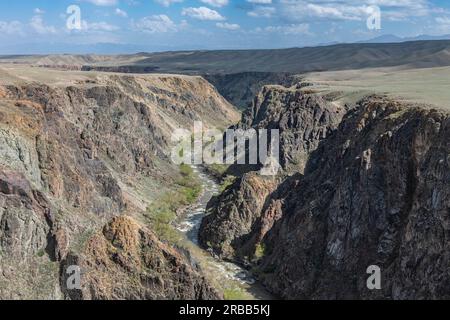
<point>127,261</point>
<point>242,215</point>
<point>303,120</point>
<point>78,151</point>
<point>375,191</point>
<point>235,213</point>
<point>241,88</point>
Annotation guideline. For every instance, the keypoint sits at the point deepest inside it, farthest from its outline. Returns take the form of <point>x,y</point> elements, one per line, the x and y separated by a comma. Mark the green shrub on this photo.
<point>163,212</point>
<point>234,294</point>
<point>190,185</point>
<point>41,253</point>
<point>186,170</point>
<point>227,181</point>
<point>259,251</point>
<point>217,170</point>
<point>161,216</point>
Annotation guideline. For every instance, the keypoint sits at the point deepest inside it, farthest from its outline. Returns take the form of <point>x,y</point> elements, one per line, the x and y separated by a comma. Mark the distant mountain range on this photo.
<point>411,54</point>
<point>124,48</point>
<point>390,38</point>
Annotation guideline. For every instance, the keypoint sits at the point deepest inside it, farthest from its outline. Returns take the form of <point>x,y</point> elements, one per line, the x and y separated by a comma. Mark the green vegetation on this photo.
<point>217,170</point>
<point>227,181</point>
<point>190,185</point>
<point>398,114</point>
<point>234,294</point>
<point>260,251</point>
<point>161,217</point>
<point>82,240</point>
<point>163,212</point>
<point>41,253</point>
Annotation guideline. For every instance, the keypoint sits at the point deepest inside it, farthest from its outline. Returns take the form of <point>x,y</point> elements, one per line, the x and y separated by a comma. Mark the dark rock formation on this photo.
<point>242,215</point>
<point>234,214</point>
<point>303,120</point>
<point>241,88</point>
<point>376,192</point>
<point>122,69</point>
<point>373,192</point>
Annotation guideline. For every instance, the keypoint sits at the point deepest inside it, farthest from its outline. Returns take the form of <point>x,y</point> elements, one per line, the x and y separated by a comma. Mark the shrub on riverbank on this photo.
<point>235,294</point>
<point>162,212</point>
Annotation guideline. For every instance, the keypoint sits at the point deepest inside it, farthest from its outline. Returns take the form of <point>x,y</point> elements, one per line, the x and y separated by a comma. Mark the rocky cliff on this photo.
<point>241,88</point>
<point>375,193</point>
<point>372,192</point>
<point>78,151</point>
<point>235,213</point>
<point>303,120</point>
<point>247,210</point>
<point>127,261</point>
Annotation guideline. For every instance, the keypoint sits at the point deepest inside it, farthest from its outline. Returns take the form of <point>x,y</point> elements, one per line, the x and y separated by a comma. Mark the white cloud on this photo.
<point>215,3</point>
<point>443,20</point>
<point>202,13</point>
<point>228,26</point>
<point>167,3</point>
<point>38,25</point>
<point>443,25</point>
<point>260,1</point>
<point>344,13</point>
<point>264,12</point>
<point>352,9</point>
<point>11,27</point>
<point>155,24</point>
<point>121,13</point>
<point>38,11</point>
<point>103,2</point>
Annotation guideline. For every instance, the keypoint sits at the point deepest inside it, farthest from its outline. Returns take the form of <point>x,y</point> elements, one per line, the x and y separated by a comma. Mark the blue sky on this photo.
<point>38,26</point>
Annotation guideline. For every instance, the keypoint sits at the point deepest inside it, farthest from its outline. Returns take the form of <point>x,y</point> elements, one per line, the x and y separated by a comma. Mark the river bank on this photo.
<point>233,280</point>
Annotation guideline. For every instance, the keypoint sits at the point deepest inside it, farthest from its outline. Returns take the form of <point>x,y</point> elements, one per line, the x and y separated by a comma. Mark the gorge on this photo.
<point>86,179</point>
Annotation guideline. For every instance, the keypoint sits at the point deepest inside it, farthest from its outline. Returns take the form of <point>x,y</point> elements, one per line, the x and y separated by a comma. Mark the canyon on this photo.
<point>365,184</point>
<point>85,158</point>
<point>82,158</point>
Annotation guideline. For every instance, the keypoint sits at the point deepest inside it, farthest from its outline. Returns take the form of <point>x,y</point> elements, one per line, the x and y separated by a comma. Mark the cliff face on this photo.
<point>127,261</point>
<point>76,153</point>
<point>375,191</point>
<point>241,88</point>
<point>235,213</point>
<point>243,214</point>
<point>303,121</point>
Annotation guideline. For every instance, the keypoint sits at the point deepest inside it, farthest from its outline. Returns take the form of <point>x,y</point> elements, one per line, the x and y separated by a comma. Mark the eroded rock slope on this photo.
<point>375,193</point>
<point>237,223</point>
<point>80,150</point>
<point>127,261</point>
<point>374,190</point>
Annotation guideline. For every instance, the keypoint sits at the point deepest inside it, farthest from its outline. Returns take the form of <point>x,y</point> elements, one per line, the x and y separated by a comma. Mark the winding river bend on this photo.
<point>226,276</point>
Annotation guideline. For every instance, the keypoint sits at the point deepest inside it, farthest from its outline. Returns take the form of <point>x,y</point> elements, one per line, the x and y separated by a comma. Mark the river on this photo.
<point>226,276</point>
